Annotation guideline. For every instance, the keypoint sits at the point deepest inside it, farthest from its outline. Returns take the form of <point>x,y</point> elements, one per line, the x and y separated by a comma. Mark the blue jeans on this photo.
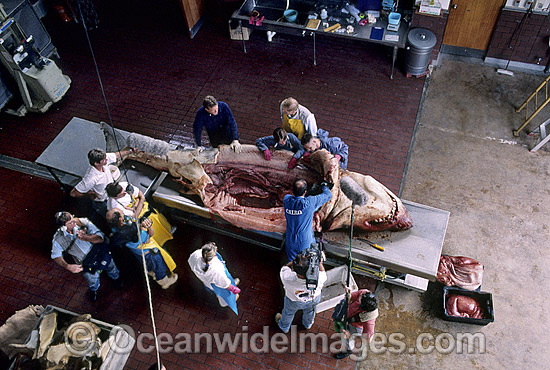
<point>93,279</point>
<point>156,264</point>
<point>290,309</point>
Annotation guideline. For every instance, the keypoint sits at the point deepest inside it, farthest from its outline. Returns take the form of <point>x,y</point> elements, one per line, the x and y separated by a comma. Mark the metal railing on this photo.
<point>537,108</point>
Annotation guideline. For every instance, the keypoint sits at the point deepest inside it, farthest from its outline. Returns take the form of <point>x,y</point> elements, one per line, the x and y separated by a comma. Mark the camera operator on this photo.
<point>297,295</point>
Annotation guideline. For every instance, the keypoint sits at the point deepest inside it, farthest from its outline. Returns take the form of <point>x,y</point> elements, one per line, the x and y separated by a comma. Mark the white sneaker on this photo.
<point>278,318</point>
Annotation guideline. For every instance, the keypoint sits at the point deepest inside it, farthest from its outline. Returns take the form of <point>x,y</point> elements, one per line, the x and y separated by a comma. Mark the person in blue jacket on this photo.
<point>334,145</point>
<point>299,210</point>
<point>280,140</point>
<point>220,125</point>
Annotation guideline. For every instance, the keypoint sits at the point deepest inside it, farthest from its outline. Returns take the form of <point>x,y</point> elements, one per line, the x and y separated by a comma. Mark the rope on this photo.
<point>138,224</point>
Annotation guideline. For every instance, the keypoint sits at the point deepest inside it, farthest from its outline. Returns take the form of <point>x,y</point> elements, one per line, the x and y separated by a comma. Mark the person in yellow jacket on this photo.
<point>131,201</point>
<point>297,119</point>
<point>160,265</point>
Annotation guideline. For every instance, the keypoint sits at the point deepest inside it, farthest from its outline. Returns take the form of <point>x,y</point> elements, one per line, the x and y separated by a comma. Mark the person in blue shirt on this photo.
<point>77,236</point>
<point>334,145</point>
<point>280,140</point>
<point>220,125</point>
<point>299,210</point>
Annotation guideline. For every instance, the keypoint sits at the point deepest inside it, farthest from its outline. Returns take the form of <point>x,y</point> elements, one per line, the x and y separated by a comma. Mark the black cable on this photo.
<point>517,30</point>
<point>547,68</point>
<point>101,86</point>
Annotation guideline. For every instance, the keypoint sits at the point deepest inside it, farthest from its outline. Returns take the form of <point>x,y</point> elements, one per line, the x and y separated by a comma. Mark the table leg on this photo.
<point>393,61</point>
<point>67,189</point>
<point>242,36</point>
<point>314,57</point>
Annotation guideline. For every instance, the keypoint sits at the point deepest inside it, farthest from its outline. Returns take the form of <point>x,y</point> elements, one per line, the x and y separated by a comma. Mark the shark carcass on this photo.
<point>247,190</point>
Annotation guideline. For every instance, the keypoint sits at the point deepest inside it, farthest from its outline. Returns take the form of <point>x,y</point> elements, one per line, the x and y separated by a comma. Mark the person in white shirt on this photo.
<point>97,176</point>
<point>297,296</point>
<point>208,265</point>
<point>131,201</point>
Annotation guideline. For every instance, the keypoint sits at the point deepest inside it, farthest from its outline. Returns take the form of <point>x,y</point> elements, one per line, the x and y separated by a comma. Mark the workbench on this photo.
<point>410,259</point>
<point>274,21</point>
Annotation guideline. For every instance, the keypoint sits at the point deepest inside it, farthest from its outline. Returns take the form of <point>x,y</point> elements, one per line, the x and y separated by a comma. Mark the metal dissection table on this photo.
<point>410,258</point>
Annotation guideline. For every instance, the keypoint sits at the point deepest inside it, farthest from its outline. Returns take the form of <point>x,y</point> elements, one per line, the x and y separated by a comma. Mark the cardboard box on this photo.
<point>430,7</point>
<point>235,32</point>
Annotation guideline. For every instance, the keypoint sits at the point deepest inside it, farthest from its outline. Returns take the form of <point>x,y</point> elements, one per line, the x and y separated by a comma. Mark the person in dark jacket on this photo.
<point>159,264</point>
<point>220,125</point>
<point>334,145</point>
<point>280,140</point>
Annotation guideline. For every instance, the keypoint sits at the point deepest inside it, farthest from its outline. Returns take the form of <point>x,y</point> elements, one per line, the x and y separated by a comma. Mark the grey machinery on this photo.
<point>25,48</point>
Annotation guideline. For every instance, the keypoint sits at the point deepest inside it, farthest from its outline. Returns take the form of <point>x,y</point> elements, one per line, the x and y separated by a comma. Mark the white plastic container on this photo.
<point>335,288</point>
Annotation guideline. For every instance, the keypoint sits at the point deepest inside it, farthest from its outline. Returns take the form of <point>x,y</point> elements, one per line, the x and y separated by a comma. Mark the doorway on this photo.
<point>471,23</point>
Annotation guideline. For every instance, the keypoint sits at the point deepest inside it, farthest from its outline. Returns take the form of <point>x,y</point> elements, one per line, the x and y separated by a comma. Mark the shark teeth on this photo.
<point>390,216</point>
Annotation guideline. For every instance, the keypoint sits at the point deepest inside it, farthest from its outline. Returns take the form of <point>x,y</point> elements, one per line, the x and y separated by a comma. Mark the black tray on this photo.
<point>485,300</point>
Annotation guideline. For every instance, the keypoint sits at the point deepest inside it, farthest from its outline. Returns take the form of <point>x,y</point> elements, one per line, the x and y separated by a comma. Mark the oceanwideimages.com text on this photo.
<point>294,342</point>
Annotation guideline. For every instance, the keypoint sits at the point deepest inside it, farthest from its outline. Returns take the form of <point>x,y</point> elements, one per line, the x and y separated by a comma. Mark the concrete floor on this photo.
<point>466,161</point>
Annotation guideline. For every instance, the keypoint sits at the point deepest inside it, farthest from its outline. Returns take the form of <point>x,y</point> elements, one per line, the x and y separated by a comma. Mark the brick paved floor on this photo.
<point>155,78</point>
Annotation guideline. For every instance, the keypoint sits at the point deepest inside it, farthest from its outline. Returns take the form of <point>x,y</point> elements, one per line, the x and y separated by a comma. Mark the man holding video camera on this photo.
<point>303,279</point>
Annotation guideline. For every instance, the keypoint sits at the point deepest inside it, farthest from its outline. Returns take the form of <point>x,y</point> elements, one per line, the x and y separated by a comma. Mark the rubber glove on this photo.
<point>267,155</point>
<point>292,163</point>
<point>338,156</point>
<point>236,146</point>
<point>305,157</point>
<point>233,289</point>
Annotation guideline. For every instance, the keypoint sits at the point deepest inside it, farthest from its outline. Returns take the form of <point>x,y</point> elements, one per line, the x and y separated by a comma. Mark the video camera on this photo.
<point>314,256</point>
<point>317,188</point>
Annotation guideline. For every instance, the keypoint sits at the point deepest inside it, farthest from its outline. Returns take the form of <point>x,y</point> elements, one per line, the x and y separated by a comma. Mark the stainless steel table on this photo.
<point>411,254</point>
<point>274,21</point>
<point>66,157</point>
<point>415,252</point>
